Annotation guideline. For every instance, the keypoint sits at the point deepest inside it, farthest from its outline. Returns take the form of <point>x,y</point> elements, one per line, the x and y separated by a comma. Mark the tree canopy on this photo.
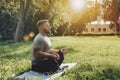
<point>18,17</point>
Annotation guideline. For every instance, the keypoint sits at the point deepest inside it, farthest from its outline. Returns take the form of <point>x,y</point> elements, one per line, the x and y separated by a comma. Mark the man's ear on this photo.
<point>39,28</point>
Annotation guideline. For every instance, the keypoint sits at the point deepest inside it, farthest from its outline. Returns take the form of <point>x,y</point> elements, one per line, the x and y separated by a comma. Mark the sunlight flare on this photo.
<point>77,4</point>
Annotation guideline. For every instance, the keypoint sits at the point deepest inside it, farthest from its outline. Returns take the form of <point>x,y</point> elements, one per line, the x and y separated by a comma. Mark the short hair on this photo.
<point>40,22</point>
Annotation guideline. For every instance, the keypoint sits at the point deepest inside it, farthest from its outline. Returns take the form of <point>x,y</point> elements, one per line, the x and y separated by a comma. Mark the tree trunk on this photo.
<point>115,29</point>
<point>19,31</point>
<point>67,29</point>
<point>23,13</point>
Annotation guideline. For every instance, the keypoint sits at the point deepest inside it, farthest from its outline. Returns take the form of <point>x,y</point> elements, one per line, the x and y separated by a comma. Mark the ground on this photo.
<point>97,57</point>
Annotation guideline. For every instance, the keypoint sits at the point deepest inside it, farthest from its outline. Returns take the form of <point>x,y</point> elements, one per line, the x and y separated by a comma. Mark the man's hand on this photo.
<point>64,50</point>
<point>53,51</point>
<point>54,54</point>
<point>57,57</point>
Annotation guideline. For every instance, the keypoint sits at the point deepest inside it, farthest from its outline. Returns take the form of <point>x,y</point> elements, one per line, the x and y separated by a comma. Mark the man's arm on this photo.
<point>43,54</point>
<point>63,50</point>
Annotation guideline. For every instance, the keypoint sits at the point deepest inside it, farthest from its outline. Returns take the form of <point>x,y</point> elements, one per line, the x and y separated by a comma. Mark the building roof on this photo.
<point>100,22</point>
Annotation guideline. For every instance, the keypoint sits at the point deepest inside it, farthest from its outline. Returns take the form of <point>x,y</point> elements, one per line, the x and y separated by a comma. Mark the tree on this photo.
<point>112,11</point>
<point>54,10</point>
<point>79,19</point>
<point>8,18</point>
<point>23,15</point>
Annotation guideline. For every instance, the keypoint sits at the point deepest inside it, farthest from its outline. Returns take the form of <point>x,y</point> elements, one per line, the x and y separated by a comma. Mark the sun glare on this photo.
<point>77,4</point>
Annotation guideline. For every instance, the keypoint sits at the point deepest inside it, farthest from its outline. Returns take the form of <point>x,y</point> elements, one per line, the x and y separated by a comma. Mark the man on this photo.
<point>43,59</point>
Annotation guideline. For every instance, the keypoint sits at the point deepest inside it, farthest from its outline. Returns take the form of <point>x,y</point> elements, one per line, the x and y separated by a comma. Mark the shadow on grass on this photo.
<point>7,42</point>
<point>7,48</point>
<point>17,56</point>
<point>12,43</point>
<point>89,72</point>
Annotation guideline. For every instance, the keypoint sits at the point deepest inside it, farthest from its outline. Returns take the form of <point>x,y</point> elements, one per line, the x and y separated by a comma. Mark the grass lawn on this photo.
<point>98,58</point>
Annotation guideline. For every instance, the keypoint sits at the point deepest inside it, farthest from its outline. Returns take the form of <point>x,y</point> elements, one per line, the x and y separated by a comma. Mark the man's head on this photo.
<point>44,26</point>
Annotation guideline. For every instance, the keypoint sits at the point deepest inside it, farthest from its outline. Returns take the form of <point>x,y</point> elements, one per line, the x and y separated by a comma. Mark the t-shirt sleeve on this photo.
<point>38,44</point>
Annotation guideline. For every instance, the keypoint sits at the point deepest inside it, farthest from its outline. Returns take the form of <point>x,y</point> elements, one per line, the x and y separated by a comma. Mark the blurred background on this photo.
<point>67,17</point>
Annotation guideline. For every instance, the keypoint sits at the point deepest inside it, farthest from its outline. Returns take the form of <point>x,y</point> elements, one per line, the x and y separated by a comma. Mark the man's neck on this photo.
<point>42,33</point>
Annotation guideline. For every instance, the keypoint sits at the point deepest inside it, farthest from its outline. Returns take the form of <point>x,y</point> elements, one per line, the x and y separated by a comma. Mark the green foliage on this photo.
<point>61,18</point>
<point>111,10</point>
<point>8,18</point>
<point>97,57</point>
<point>53,10</point>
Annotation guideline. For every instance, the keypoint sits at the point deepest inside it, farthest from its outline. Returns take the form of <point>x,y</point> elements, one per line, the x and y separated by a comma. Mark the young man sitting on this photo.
<point>43,59</point>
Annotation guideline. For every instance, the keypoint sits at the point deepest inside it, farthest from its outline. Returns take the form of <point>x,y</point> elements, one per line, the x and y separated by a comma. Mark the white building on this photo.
<point>98,27</point>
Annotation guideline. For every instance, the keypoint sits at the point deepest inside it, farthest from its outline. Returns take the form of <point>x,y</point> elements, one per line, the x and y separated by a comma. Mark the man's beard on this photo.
<point>47,32</point>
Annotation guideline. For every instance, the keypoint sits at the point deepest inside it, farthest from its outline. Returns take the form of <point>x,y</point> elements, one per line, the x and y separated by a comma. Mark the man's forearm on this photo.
<point>51,51</point>
<point>43,54</point>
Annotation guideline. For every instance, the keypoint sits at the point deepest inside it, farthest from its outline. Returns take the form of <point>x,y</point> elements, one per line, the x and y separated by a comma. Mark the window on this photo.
<point>99,29</point>
<point>104,29</point>
<point>92,29</point>
<point>86,29</point>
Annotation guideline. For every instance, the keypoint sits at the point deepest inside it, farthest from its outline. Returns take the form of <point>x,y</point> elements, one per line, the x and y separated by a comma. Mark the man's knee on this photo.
<point>53,61</point>
<point>61,55</point>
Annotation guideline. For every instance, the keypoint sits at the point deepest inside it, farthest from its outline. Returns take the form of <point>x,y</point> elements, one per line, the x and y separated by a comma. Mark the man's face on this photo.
<point>47,27</point>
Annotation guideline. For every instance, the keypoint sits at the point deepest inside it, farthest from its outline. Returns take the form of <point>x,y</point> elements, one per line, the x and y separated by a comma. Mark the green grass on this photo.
<point>98,58</point>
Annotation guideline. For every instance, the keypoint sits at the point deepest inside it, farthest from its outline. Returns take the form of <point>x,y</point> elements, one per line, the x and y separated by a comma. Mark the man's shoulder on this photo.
<point>38,38</point>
